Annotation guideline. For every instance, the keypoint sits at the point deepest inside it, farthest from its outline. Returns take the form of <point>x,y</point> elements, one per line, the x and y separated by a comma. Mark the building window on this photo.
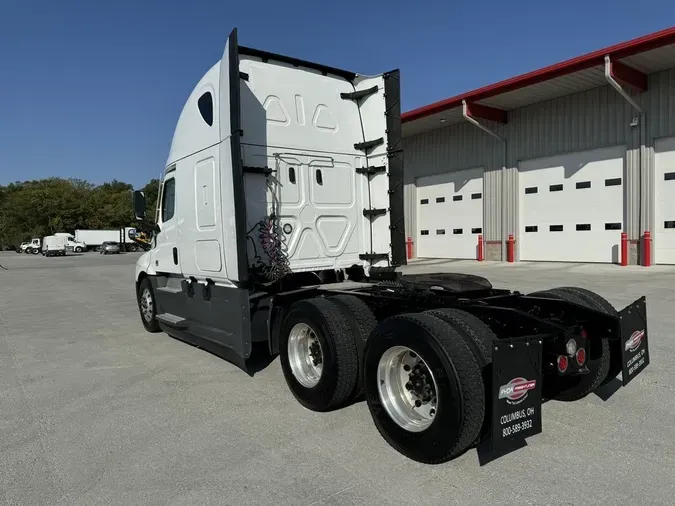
<point>440,200</point>
<point>457,198</point>
<point>424,232</point>
<point>669,176</point>
<point>555,188</point>
<point>440,231</point>
<point>457,231</point>
<point>531,189</point>
<point>669,224</point>
<point>168,200</point>
<point>583,227</point>
<point>424,201</point>
<point>583,184</point>
<point>612,226</point>
<point>205,105</point>
<point>613,182</point>
<point>477,230</point>
<point>531,228</point>
<point>476,196</point>
<point>555,228</point>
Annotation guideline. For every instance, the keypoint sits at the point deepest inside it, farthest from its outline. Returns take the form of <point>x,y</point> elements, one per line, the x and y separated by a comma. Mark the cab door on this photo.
<point>166,254</point>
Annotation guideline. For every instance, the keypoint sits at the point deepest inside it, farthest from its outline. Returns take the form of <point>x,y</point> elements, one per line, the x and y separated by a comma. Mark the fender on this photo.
<point>144,266</point>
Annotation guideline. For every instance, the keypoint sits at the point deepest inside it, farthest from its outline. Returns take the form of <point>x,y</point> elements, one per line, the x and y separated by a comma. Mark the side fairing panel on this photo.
<point>232,180</point>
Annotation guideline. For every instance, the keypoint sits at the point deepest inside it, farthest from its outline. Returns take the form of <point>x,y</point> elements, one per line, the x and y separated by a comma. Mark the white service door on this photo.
<point>572,206</point>
<point>449,214</point>
<point>664,189</point>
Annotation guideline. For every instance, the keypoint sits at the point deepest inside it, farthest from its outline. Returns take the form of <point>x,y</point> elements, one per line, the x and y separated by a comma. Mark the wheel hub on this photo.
<point>407,389</point>
<point>146,305</point>
<point>419,384</point>
<point>305,355</point>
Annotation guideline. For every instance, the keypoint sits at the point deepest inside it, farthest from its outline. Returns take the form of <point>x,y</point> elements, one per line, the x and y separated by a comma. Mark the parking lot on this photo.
<point>94,410</point>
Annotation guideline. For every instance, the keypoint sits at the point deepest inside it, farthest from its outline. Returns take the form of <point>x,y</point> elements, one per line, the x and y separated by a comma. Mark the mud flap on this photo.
<point>516,390</point>
<point>634,348</point>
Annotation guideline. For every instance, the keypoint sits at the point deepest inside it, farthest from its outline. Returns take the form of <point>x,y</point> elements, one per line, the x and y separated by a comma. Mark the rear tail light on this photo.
<point>581,356</point>
<point>562,363</point>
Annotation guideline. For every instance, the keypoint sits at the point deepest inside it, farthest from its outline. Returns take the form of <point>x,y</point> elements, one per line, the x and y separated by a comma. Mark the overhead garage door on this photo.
<point>449,214</point>
<point>664,229</point>
<point>572,206</point>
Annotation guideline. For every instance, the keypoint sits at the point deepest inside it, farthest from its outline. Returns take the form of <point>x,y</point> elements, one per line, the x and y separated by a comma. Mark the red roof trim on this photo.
<point>596,58</point>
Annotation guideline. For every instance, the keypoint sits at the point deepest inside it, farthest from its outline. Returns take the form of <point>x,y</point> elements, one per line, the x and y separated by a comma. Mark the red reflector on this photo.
<point>581,356</point>
<point>583,333</point>
<point>562,363</point>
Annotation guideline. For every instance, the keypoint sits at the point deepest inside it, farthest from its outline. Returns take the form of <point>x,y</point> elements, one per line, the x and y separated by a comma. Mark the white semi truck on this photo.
<point>72,244</point>
<point>33,247</point>
<point>280,222</point>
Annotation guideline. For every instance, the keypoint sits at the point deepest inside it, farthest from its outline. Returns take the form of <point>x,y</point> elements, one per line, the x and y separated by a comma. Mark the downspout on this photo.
<point>629,99</point>
<point>485,129</point>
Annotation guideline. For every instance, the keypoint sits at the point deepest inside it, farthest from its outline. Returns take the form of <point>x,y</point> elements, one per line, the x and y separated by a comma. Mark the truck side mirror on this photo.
<point>139,205</point>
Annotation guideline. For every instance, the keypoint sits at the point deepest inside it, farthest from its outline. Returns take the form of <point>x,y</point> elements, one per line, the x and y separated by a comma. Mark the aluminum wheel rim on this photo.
<point>305,355</point>
<point>146,305</point>
<point>407,389</point>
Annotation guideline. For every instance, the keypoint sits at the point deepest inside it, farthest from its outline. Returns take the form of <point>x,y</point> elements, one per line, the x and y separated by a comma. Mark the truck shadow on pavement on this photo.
<point>608,390</point>
<point>260,359</point>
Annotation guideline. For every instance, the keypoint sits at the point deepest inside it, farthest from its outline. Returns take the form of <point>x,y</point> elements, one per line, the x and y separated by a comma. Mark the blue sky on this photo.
<point>92,89</point>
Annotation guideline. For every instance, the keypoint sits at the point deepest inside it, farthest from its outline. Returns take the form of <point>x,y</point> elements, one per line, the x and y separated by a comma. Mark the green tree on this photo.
<point>46,206</point>
<point>151,191</point>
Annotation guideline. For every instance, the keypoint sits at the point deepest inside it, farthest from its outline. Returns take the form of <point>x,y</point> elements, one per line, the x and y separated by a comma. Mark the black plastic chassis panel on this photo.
<point>517,375</point>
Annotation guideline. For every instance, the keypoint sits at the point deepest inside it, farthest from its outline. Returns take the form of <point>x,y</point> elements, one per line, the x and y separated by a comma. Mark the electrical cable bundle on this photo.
<point>272,243</point>
<point>271,239</point>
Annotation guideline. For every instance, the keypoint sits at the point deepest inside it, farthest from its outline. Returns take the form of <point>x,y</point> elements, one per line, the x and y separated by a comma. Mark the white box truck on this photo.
<point>280,223</point>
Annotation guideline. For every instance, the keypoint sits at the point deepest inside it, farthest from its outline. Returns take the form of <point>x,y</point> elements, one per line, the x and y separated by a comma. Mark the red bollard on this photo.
<point>510,248</point>
<point>647,249</point>
<point>480,248</point>
<point>409,244</point>
<point>624,249</point>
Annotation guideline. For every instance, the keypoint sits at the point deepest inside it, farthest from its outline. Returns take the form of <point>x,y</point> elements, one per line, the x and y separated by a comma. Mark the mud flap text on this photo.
<point>516,389</point>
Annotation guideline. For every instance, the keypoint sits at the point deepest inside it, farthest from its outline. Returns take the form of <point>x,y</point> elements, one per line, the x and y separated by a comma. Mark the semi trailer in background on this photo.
<point>95,238</point>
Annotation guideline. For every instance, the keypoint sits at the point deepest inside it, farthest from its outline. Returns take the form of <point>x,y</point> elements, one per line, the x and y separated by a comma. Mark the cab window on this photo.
<point>168,199</point>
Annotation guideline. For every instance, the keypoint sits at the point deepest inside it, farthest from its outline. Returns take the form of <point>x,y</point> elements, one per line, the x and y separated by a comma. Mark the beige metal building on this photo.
<point>564,158</point>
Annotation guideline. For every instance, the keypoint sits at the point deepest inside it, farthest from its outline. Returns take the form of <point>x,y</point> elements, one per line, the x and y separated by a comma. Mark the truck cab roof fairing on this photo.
<point>192,132</point>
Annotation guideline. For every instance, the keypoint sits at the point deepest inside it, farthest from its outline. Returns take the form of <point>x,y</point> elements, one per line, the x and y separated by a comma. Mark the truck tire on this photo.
<point>427,421</point>
<point>78,249</point>
<point>573,388</point>
<point>147,306</point>
<point>476,334</point>
<point>362,322</point>
<point>35,251</point>
<point>317,350</point>
<point>598,302</point>
<point>479,337</point>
